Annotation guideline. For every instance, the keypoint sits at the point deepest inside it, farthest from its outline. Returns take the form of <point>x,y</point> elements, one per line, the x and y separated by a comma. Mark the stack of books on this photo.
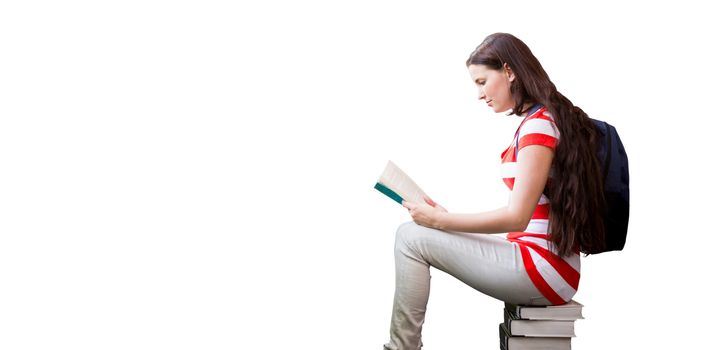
<point>539,327</point>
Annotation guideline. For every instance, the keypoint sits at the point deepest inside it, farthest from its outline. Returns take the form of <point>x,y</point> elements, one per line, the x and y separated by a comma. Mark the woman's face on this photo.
<point>493,86</point>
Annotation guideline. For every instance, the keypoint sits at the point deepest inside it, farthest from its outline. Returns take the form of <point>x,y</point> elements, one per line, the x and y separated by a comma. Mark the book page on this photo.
<point>398,181</point>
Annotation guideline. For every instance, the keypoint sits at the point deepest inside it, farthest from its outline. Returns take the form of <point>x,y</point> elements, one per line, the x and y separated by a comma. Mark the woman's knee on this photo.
<point>407,234</point>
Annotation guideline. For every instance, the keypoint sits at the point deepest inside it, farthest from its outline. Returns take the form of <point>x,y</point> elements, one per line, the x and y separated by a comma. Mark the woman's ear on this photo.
<point>508,71</point>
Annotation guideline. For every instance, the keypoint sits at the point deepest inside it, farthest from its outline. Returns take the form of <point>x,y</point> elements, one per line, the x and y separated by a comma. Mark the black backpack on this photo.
<point>614,166</point>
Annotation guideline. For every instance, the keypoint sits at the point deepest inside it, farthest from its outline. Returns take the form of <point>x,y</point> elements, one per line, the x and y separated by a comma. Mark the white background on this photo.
<point>199,175</point>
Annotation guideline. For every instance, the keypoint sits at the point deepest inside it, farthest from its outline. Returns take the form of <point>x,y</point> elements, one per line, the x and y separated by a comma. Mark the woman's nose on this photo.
<point>481,95</point>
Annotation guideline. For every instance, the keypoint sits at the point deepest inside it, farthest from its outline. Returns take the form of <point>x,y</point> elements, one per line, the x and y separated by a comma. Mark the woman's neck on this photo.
<point>525,109</point>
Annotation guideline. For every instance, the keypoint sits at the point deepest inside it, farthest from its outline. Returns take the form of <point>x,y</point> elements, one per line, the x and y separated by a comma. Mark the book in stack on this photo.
<point>539,327</point>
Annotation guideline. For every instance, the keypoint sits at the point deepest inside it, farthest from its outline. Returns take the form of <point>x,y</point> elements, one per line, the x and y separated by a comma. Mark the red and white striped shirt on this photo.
<point>556,278</point>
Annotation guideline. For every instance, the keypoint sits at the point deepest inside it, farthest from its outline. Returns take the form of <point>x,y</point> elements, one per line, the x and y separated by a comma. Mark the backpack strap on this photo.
<point>531,111</point>
<point>608,154</point>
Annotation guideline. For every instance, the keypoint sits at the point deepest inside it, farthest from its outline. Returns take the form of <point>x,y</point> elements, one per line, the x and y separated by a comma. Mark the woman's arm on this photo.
<point>533,165</point>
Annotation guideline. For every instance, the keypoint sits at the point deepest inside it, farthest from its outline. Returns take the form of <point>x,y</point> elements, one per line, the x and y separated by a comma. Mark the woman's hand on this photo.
<point>433,204</point>
<point>426,215</point>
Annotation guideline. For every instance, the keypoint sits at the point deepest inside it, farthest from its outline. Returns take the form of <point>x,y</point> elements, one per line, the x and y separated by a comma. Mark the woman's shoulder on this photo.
<point>540,122</point>
<point>541,113</point>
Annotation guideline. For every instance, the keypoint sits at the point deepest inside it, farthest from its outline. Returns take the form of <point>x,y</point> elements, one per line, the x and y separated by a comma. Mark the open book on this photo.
<point>397,185</point>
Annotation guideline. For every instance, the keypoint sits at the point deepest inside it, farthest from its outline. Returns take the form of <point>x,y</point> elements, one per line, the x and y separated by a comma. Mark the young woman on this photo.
<point>554,211</point>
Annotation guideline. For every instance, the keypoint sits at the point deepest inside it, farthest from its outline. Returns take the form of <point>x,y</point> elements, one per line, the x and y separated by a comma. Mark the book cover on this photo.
<point>538,328</point>
<point>569,311</point>
<point>510,342</point>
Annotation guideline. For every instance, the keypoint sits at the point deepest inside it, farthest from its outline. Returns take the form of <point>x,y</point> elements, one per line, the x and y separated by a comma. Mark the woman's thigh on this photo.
<point>489,263</point>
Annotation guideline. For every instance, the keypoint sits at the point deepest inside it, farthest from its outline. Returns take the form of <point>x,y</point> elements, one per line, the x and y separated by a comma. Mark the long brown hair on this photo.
<point>575,191</point>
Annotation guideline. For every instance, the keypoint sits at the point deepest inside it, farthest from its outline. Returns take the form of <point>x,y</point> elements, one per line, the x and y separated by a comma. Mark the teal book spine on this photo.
<point>388,192</point>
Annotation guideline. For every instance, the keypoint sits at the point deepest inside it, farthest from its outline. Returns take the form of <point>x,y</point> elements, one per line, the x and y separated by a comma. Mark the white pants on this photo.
<point>489,263</point>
